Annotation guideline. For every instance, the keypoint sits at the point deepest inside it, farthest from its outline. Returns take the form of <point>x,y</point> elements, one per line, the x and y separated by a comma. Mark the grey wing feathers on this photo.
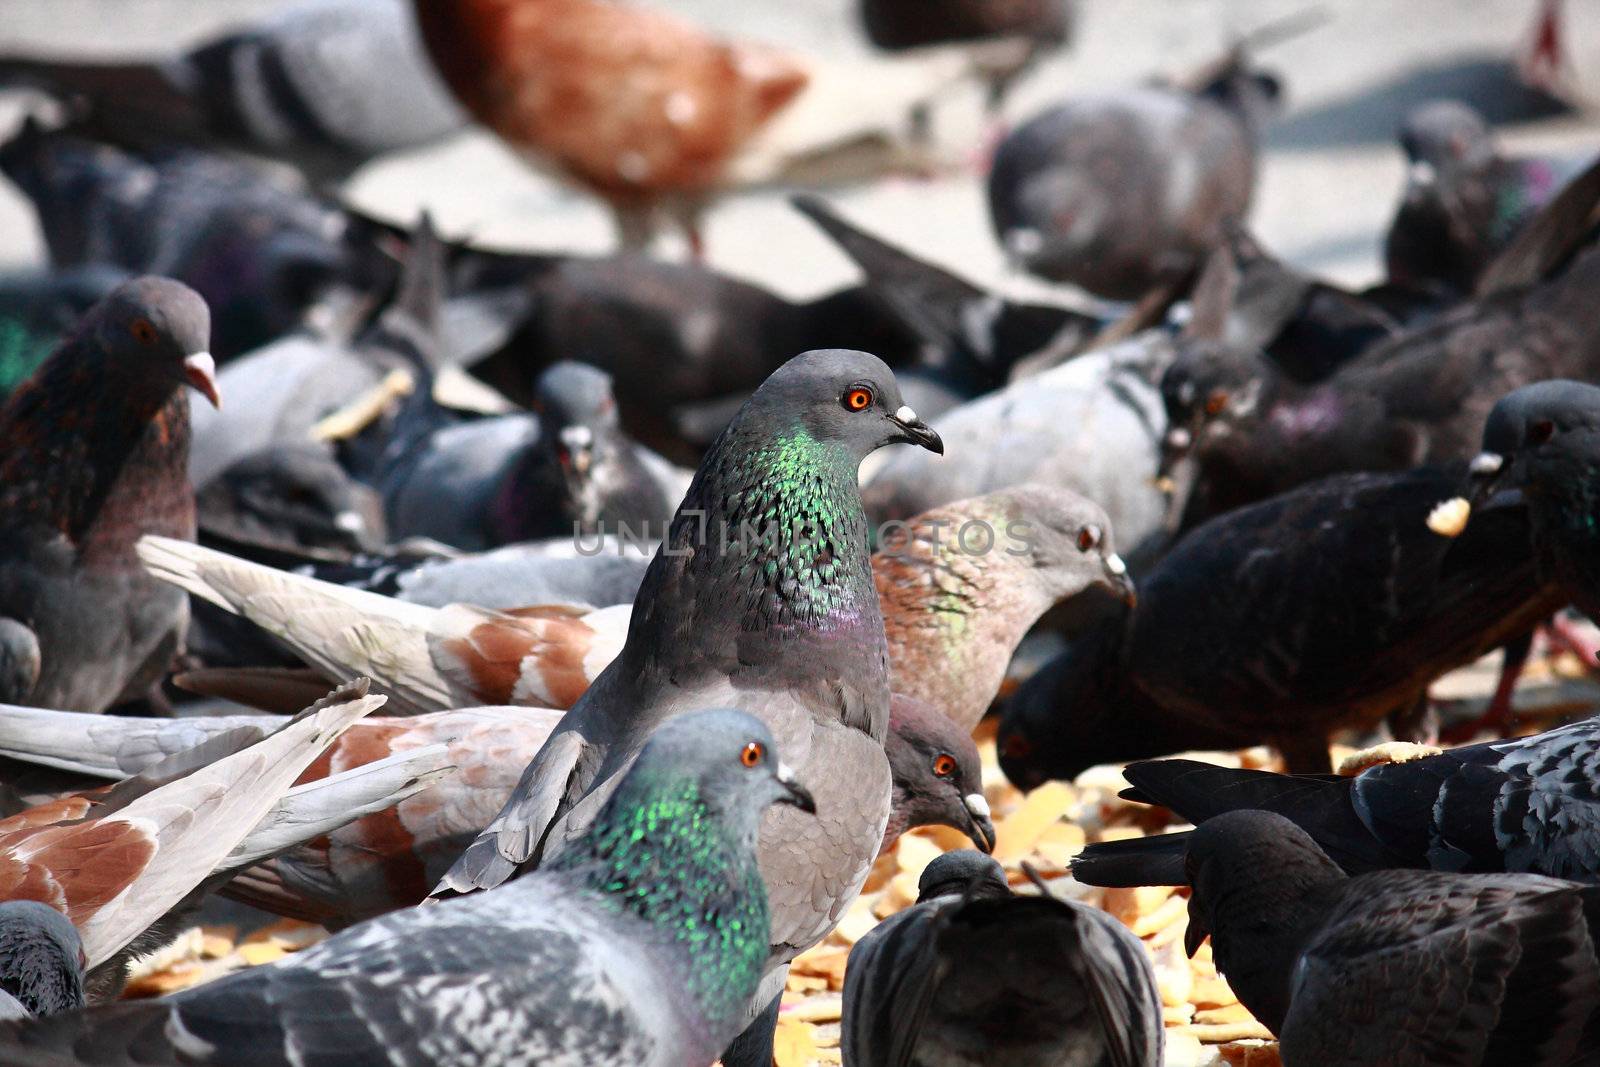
<point>1115,970</point>
<point>516,833</point>
<point>889,986</point>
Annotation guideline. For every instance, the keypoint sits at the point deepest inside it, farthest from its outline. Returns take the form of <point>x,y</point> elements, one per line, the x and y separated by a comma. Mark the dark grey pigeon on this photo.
<point>1463,202</point>
<point>1403,968</point>
<point>325,86</point>
<point>1541,446</point>
<point>975,975</point>
<point>1527,805</point>
<point>761,597</point>
<point>41,961</point>
<point>93,451</point>
<point>640,945</point>
<point>291,496</point>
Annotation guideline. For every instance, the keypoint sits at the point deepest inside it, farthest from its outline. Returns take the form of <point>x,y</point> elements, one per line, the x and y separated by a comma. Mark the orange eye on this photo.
<point>753,753</point>
<point>1088,537</point>
<point>944,765</point>
<point>858,399</point>
<point>1216,401</point>
<point>143,332</point>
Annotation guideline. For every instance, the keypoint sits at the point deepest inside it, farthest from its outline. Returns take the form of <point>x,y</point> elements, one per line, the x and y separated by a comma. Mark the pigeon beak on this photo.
<point>797,795</point>
<point>979,827</point>
<point>1119,581</point>
<point>200,371</point>
<point>1195,934</point>
<point>1485,464</point>
<point>579,443</point>
<point>1488,469</point>
<point>916,431</point>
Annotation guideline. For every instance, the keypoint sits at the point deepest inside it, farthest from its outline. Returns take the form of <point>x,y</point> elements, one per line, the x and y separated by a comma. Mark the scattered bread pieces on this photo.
<point>1449,518</point>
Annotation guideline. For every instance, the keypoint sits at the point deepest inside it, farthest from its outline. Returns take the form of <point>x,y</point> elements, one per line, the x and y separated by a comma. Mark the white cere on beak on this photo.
<point>1024,242</point>
<point>350,522</point>
<point>1179,439</point>
<point>977,805</point>
<point>1115,565</point>
<point>1422,173</point>
<point>905,414</point>
<point>785,773</point>
<point>1487,463</point>
<point>577,437</point>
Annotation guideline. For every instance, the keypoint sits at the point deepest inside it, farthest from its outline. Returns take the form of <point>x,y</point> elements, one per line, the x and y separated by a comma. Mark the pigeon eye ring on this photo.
<point>858,398</point>
<point>752,754</point>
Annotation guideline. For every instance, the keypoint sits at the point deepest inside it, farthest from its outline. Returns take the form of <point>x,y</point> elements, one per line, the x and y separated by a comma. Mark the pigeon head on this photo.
<point>156,331</point>
<point>1444,141</point>
<point>1209,390</point>
<point>1067,539</point>
<point>41,958</point>
<point>578,402</point>
<point>675,848</point>
<point>962,872</point>
<point>838,398</point>
<point>702,777</point>
<point>1250,867</point>
<point>937,775</point>
<point>1529,442</point>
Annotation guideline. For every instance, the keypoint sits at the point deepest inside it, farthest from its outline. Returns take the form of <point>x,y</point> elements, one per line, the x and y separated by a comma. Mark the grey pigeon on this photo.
<point>325,86</point>
<point>41,961</point>
<point>1528,804</point>
<point>1093,425</point>
<point>93,450</point>
<point>1122,192</point>
<point>640,945</point>
<point>976,975</point>
<point>1405,968</point>
<point>761,597</point>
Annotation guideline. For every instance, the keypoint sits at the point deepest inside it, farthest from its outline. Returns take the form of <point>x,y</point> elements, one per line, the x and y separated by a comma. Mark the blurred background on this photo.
<point>1330,176</point>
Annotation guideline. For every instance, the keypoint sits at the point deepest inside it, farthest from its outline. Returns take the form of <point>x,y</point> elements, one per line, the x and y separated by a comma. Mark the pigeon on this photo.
<point>1539,449</point>
<point>1093,425</point>
<point>1421,396</point>
<point>1329,607</point>
<point>961,585</point>
<point>976,974</point>
<point>640,944</point>
<point>1399,967</point>
<point>325,86</point>
<point>291,496</point>
<point>570,470</point>
<point>1124,192</point>
<point>93,450</point>
<point>41,961</point>
<point>773,520</point>
<point>261,252</point>
<point>1520,806</point>
<point>937,776</point>
<point>158,837</point>
<point>39,308</point>
<point>1463,202</point>
<point>390,858</point>
<point>657,115</point>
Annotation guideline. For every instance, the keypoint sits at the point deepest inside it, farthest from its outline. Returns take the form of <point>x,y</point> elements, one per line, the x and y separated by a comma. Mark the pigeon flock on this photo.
<point>605,660</point>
